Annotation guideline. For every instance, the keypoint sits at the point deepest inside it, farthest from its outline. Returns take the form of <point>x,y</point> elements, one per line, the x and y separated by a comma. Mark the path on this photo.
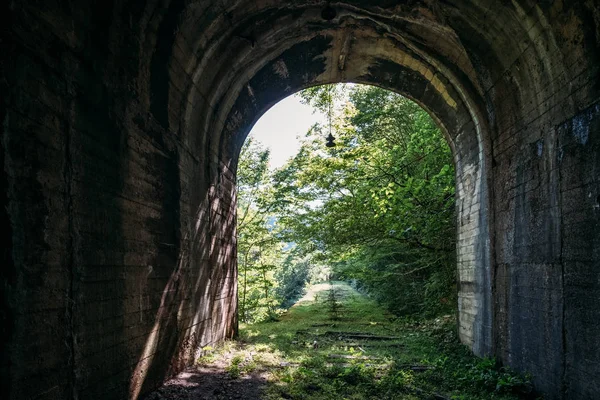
<point>337,344</point>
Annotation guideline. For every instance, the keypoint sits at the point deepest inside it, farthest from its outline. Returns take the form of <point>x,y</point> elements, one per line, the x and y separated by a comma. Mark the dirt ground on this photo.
<point>211,382</point>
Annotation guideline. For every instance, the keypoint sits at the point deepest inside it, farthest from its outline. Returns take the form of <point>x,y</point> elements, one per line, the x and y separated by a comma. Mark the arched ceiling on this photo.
<point>208,52</point>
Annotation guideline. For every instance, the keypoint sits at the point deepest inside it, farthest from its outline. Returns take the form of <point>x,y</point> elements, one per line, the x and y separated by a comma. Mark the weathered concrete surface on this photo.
<point>121,123</point>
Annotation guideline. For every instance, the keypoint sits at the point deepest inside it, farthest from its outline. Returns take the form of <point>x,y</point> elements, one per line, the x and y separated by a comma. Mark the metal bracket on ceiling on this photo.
<point>344,51</point>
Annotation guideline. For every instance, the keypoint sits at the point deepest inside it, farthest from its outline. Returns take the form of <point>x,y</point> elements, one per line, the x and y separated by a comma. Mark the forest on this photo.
<point>376,210</point>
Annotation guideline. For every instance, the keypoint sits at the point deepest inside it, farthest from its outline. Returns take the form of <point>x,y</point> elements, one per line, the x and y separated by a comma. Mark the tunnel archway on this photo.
<point>461,133</point>
<point>357,53</point>
<point>121,126</point>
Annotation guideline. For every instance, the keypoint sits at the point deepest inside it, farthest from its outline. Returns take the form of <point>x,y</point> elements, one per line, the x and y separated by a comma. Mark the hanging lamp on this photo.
<point>329,13</point>
<point>330,138</point>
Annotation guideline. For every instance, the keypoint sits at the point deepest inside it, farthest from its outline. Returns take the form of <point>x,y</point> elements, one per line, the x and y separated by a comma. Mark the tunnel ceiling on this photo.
<point>249,36</point>
<point>210,51</point>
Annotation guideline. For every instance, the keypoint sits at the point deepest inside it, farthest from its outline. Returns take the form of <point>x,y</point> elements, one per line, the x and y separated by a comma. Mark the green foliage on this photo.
<point>484,375</point>
<point>334,307</point>
<point>207,357</point>
<point>376,211</point>
<point>378,208</point>
<point>293,276</point>
<point>423,360</point>
<point>268,276</point>
<point>233,369</point>
<point>258,248</point>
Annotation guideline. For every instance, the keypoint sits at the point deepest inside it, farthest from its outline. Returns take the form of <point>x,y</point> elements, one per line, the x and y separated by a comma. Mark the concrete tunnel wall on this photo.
<point>121,127</point>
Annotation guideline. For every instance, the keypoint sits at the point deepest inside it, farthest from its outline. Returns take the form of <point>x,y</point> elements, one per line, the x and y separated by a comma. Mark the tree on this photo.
<point>271,272</point>
<point>257,245</point>
<point>380,205</point>
<point>378,209</point>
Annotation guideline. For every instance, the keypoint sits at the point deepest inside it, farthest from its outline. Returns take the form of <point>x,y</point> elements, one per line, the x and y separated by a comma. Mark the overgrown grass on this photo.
<point>337,344</point>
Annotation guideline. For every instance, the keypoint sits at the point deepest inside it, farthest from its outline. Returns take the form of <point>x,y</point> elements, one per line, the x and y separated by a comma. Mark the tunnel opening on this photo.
<point>297,215</point>
<point>462,133</point>
<point>121,129</point>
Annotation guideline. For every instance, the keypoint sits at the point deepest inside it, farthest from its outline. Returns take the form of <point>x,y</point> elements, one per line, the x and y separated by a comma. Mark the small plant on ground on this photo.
<point>234,370</point>
<point>334,306</point>
<point>208,356</point>
<point>365,355</point>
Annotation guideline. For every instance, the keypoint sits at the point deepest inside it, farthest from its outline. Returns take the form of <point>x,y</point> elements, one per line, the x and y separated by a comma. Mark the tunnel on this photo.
<point>121,125</point>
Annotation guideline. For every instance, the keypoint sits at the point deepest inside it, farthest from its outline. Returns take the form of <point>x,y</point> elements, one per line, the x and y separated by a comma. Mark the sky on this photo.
<point>279,128</point>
